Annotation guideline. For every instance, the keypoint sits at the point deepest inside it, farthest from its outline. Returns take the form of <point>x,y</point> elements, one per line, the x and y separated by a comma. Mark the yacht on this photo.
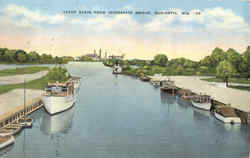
<point>117,69</point>
<point>59,97</point>
<point>202,102</point>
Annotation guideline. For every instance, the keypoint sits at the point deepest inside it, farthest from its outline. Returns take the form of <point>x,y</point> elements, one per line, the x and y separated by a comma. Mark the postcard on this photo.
<point>125,79</point>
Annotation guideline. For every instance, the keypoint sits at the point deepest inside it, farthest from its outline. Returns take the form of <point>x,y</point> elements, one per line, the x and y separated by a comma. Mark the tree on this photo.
<point>234,57</point>
<point>160,59</point>
<point>21,56</point>
<point>217,56</point>
<point>225,70</point>
<point>245,64</point>
<point>33,56</point>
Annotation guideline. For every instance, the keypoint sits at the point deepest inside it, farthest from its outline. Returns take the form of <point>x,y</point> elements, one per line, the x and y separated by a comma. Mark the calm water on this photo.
<point>122,117</point>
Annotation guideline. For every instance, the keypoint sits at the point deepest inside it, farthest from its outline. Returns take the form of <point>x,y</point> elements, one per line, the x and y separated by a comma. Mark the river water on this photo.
<point>123,117</point>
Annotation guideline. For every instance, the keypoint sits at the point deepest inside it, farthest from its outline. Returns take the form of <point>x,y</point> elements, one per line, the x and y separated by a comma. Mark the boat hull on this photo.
<point>57,123</point>
<point>55,104</point>
<point>203,106</point>
<point>227,119</point>
<point>11,132</point>
<point>8,142</point>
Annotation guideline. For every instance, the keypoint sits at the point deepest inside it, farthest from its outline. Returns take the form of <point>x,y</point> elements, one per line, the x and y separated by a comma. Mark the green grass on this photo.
<point>231,80</point>
<point>240,87</point>
<point>35,84</point>
<point>25,70</point>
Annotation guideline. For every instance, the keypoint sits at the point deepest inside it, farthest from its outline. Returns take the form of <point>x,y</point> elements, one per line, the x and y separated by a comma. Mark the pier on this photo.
<point>12,105</point>
<point>233,100</point>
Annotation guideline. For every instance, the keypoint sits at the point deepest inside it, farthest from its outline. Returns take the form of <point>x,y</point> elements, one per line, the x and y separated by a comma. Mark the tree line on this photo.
<point>21,57</point>
<point>220,63</point>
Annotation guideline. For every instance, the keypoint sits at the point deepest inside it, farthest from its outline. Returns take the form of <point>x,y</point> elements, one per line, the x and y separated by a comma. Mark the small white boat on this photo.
<point>202,102</point>
<point>25,122</point>
<point>117,69</point>
<point>155,82</point>
<point>227,115</point>
<point>59,97</point>
<point>6,141</point>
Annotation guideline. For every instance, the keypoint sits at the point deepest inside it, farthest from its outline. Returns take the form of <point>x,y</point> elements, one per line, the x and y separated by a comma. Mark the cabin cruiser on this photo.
<point>59,97</point>
<point>202,102</point>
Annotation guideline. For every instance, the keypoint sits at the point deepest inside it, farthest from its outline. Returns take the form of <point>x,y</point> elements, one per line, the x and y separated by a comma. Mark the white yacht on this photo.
<point>58,97</point>
<point>202,102</point>
<point>117,69</point>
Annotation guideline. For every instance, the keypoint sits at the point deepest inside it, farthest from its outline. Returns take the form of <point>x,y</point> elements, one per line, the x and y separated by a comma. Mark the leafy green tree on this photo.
<point>160,59</point>
<point>58,74</point>
<point>245,64</point>
<point>21,56</point>
<point>234,57</point>
<point>225,70</point>
<point>33,56</point>
<point>180,70</point>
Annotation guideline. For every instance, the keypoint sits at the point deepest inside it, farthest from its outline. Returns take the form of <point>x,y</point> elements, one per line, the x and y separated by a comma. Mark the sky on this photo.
<point>43,26</point>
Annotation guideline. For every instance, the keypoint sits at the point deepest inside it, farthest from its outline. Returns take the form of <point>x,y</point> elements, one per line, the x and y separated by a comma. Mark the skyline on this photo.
<point>42,26</point>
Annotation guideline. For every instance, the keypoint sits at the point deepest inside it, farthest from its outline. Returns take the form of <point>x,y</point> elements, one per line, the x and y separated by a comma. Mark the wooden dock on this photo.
<point>13,115</point>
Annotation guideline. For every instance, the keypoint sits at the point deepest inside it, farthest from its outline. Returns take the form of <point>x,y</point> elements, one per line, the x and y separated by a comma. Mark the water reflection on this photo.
<point>201,115</point>
<point>61,122</point>
<point>166,98</point>
<point>184,103</point>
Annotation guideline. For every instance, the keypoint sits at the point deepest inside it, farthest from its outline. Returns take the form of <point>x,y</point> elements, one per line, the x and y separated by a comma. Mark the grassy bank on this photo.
<point>55,74</point>
<point>20,71</point>
<point>240,87</point>
<point>231,80</point>
<point>35,84</point>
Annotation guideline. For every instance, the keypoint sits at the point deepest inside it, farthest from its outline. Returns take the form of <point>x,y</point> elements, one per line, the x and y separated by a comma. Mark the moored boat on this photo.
<point>6,141</point>
<point>227,115</point>
<point>202,102</point>
<point>116,69</point>
<point>155,82</point>
<point>168,86</point>
<point>58,97</point>
<point>25,122</point>
<point>12,129</point>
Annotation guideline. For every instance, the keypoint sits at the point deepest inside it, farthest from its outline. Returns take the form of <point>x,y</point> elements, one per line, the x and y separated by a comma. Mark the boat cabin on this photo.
<point>202,99</point>
<point>59,89</point>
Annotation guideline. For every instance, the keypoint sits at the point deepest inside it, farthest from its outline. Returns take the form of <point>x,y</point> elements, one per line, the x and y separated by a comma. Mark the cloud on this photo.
<point>13,10</point>
<point>211,19</point>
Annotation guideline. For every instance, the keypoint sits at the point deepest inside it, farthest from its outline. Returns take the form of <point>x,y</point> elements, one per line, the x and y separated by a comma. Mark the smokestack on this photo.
<point>100,53</point>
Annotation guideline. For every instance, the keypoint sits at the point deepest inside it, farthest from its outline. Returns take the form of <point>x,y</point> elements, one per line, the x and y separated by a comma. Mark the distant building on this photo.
<point>116,57</point>
<point>106,55</point>
<point>77,58</point>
